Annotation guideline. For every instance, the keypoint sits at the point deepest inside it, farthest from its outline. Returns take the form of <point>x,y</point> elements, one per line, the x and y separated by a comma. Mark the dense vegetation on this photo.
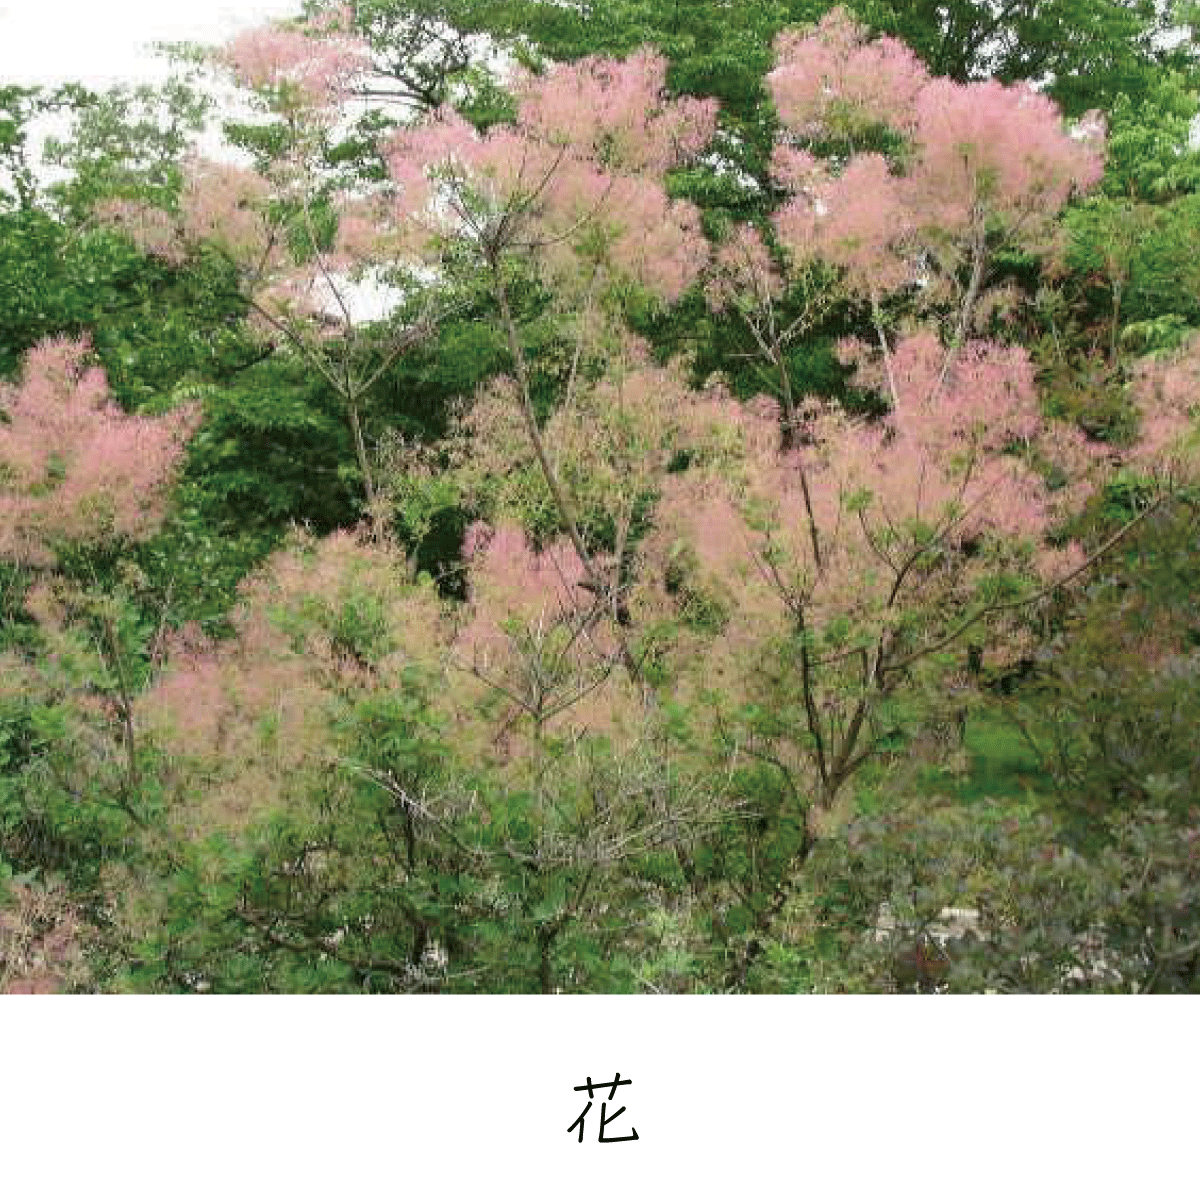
<point>609,498</point>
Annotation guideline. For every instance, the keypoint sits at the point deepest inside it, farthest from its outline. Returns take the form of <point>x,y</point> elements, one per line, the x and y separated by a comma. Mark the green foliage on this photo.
<point>75,788</point>
<point>125,142</point>
<point>382,875</point>
<point>933,896</point>
<point>421,390</point>
<point>1090,393</point>
<point>1113,710</point>
<point>1126,255</point>
<point>150,326</point>
<point>1152,154</point>
<point>18,105</point>
<point>60,275</point>
<point>194,565</point>
<point>273,449</point>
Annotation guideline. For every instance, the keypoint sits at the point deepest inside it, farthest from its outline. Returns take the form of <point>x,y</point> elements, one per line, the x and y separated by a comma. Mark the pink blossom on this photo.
<point>565,209</point>
<point>832,77</point>
<point>513,583</point>
<point>863,225</point>
<point>40,940</point>
<point>1001,150</point>
<point>152,230</point>
<point>335,19</point>
<point>75,469</point>
<point>617,113</point>
<point>1167,392</point>
<point>249,723</point>
<point>575,184</point>
<point>655,241</point>
<point>418,155</point>
<point>743,268</point>
<point>364,233</point>
<point>475,540</point>
<point>221,205</point>
<point>854,352</point>
<point>985,159</point>
<point>225,205</point>
<point>797,170</point>
<point>798,227</point>
<point>986,397</point>
<point>295,68</point>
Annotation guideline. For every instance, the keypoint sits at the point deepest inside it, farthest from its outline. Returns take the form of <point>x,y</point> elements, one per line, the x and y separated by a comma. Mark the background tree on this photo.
<point>298,243</point>
<point>1087,54</point>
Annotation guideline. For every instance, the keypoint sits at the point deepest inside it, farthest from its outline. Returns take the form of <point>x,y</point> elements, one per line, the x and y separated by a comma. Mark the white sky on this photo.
<point>103,42</point>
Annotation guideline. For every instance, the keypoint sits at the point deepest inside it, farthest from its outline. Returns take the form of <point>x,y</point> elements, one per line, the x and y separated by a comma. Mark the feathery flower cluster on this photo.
<point>249,720</point>
<point>577,180</point>
<point>985,399</point>
<point>948,450</point>
<point>40,950</point>
<point>742,270</point>
<point>365,235</point>
<point>984,158</point>
<point>1167,391</point>
<point>310,68</point>
<point>514,584</point>
<point>859,221</point>
<point>224,205</point>
<point>535,642</point>
<point>220,204</point>
<point>75,469</point>
<point>864,524</point>
<point>833,80</point>
<point>150,228</point>
<point>616,113</point>
<point>1002,148</point>
<point>612,443</point>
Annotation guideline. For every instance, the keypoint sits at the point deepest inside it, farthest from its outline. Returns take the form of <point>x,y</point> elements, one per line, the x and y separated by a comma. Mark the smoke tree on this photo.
<point>312,253</point>
<point>571,196</point>
<point>882,530</point>
<point>843,563</point>
<point>80,482</point>
<point>76,471</point>
<point>341,799</point>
